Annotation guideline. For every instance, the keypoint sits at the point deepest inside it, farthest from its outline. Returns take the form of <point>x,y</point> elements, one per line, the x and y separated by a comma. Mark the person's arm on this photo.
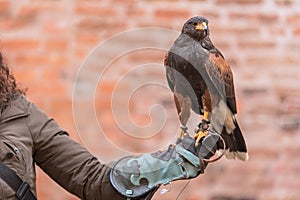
<point>67,162</point>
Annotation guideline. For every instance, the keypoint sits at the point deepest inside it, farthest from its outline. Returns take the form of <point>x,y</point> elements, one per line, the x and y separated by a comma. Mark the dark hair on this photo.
<point>9,89</point>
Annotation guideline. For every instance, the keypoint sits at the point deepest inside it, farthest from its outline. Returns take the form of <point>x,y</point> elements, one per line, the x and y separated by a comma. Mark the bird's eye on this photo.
<point>195,23</point>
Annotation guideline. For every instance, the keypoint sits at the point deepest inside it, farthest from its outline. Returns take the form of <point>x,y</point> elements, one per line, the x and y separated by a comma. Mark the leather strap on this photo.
<point>22,188</point>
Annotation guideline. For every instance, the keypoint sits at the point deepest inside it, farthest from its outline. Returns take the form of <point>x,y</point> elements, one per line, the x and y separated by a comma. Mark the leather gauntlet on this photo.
<point>135,177</point>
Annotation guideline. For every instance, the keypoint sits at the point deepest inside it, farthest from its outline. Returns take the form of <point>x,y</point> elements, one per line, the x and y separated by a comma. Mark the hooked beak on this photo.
<point>202,26</point>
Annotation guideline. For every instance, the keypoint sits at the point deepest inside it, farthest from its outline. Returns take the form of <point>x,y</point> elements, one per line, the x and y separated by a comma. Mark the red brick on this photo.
<point>147,56</point>
<point>106,87</point>
<point>54,45</point>
<point>271,61</point>
<point>256,44</point>
<point>210,15</point>
<point>28,12</point>
<point>291,182</point>
<point>41,60</point>
<point>31,60</point>
<point>135,11</point>
<point>284,2</point>
<point>277,31</point>
<point>60,109</point>
<point>43,90</point>
<point>222,45</point>
<point>259,18</point>
<point>157,23</point>
<point>86,39</point>
<point>85,1</point>
<point>293,46</point>
<point>158,1</point>
<point>292,151</point>
<point>95,9</point>
<point>4,8</point>
<point>296,32</point>
<point>9,24</point>
<point>293,19</point>
<point>264,153</point>
<point>239,2</point>
<point>55,27</point>
<point>52,75</point>
<point>124,1</point>
<point>49,7</point>
<point>16,24</point>
<point>103,102</point>
<point>21,44</point>
<point>58,61</point>
<point>98,24</point>
<point>265,183</point>
<point>291,104</point>
<point>172,14</point>
<point>26,77</point>
<point>241,31</point>
<point>81,53</point>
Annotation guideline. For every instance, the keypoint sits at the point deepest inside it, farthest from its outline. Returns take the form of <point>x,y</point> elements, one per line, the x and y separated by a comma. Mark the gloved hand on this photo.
<point>136,176</point>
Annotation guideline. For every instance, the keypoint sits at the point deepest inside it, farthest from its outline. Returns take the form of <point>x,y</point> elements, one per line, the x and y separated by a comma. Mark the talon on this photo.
<point>198,136</point>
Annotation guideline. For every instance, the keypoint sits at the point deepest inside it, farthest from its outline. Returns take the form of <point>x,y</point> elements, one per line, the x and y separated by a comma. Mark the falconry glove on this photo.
<point>136,177</point>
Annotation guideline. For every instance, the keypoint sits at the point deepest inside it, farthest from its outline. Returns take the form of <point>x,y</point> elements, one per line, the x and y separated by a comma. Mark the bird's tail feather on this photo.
<point>235,144</point>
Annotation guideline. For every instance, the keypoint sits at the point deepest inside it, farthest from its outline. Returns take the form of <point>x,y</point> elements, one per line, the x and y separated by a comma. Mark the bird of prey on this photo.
<point>202,80</point>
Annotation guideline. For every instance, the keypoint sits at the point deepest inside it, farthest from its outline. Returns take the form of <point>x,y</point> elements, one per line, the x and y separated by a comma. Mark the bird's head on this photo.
<point>196,27</point>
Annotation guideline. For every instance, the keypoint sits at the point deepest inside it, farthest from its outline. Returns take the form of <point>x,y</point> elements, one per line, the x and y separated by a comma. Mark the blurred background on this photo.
<point>109,91</point>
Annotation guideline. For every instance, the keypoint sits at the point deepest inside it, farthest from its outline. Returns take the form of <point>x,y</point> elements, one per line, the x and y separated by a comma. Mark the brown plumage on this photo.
<point>202,80</point>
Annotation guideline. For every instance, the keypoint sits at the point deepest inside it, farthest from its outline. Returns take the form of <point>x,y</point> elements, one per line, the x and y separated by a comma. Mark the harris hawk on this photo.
<point>202,80</point>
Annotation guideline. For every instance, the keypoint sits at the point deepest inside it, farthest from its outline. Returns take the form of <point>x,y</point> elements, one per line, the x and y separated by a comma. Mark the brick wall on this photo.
<point>114,94</point>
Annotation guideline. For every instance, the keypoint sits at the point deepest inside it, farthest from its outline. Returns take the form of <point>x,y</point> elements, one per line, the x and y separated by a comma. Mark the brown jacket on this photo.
<point>28,137</point>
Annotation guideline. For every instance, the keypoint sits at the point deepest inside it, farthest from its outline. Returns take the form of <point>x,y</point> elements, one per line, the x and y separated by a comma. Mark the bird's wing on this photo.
<point>221,77</point>
<point>169,73</point>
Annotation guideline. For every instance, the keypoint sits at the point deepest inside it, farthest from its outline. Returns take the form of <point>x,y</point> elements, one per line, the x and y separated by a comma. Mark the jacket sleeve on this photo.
<point>67,162</point>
